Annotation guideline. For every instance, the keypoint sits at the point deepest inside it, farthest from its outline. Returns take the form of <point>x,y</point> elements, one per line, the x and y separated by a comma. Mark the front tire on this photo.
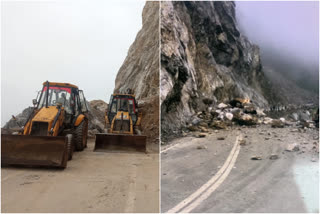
<point>80,135</point>
<point>70,146</point>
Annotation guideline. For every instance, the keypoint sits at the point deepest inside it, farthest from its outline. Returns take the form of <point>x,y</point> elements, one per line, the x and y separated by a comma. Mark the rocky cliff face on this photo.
<point>140,71</point>
<point>205,60</point>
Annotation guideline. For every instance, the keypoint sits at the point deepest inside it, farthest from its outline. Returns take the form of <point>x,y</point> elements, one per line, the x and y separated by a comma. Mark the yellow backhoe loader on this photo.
<point>56,127</point>
<point>123,122</point>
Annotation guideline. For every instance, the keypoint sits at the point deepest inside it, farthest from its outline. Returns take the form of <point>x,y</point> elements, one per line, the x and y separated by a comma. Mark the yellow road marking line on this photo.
<point>209,191</point>
<point>170,147</point>
<point>210,186</point>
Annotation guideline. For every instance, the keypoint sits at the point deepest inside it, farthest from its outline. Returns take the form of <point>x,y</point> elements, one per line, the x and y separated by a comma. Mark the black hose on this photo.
<point>55,121</point>
<point>47,94</point>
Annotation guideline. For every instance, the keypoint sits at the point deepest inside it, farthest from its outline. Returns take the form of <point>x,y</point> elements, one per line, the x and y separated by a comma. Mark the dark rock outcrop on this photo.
<point>205,56</point>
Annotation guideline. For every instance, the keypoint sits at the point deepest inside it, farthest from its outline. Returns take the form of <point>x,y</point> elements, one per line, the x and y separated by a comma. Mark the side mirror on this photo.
<point>34,102</point>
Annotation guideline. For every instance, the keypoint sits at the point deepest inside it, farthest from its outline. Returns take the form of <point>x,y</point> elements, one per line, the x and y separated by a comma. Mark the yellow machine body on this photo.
<point>42,141</point>
<point>122,120</point>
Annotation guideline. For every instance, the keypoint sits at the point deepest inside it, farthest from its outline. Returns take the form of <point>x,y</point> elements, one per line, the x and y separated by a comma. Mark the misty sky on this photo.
<point>81,42</point>
<point>290,28</point>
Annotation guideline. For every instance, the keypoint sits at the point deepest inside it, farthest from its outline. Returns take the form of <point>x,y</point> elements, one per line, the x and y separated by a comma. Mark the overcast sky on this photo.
<point>81,42</point>
<point>290,28</point>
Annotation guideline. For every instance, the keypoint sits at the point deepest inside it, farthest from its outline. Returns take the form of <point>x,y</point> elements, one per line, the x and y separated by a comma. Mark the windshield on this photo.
<point>123,104</point>
<point>56,95</point>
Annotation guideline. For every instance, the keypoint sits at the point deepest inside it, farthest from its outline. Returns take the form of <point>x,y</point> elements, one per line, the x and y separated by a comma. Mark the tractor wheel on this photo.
<point>86,133</point>
<point>70,146</point>
<point>80,135</point>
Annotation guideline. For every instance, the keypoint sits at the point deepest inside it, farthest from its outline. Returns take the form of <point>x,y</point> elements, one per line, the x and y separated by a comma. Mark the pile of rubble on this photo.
<point>224,116</point>
<point>97,109</point>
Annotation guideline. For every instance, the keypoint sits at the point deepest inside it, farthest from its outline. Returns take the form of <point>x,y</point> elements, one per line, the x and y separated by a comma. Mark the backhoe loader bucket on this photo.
<point>120,142</point>
<point>34,150</point>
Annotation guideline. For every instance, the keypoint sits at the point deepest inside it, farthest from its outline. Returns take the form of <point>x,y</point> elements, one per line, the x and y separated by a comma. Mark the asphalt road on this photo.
<point>239,184</point>
<point>92,182</point>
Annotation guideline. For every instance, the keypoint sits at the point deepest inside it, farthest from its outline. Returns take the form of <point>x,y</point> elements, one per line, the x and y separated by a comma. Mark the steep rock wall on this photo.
<point>205,56</point>
<point>140,71</point>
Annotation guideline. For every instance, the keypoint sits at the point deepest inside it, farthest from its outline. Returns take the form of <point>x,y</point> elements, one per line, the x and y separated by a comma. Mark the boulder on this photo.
<point>193,128</point>
<point>96,124</point>
<point>229,116</point>
<point>273,157</point>
<point>260,112</point>
<point>282,119</point>
<point>195,121</point>
<point>292,147</point>
<point>201,147</point>
<point>201,135</point>
<point>203,124</point>
<point>267,120</point>
<point>218,124</point>
<point>277,124</point>
<point>203,129</point>
<point>207,101</point>
<point>256,158</point>
<point>294,116</point>
<point>245,119</point>
<point>221,116</point>
<point>249,108</point>
<point>222,106</point>
<point>96,115</point>
<point>303,116</point>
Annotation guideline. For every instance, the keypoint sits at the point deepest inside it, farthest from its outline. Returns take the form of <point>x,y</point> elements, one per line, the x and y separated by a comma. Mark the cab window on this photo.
<point>83,102</point>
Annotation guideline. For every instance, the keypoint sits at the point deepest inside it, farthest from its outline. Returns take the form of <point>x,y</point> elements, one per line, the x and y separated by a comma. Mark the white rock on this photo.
<point>229,116</point>
<point>295,116</point>
<point>260,112</point>
<point>222,105</point>
<point>221,116</point>
<point>282,119</point>
<point>246,117</point>
<point>267,120</point>
<point>292,147</point>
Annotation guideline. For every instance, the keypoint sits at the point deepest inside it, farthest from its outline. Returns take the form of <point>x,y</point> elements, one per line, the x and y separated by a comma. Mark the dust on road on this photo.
<point>92,182</point>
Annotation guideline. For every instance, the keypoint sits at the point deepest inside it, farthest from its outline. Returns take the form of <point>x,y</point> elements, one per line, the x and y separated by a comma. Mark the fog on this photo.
<point>288,36</point>
<point>80,42</point>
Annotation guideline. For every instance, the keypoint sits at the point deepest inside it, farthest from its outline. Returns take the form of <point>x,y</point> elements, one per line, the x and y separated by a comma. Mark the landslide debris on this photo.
<point>205,60</point>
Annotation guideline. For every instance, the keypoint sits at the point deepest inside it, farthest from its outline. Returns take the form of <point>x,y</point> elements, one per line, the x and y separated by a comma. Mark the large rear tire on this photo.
<point>80,135</point>
<point>70,146</point>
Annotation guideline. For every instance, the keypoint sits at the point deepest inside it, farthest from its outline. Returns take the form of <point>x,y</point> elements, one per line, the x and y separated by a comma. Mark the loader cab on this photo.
<point>124,103</point>
<point>64,95</point>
